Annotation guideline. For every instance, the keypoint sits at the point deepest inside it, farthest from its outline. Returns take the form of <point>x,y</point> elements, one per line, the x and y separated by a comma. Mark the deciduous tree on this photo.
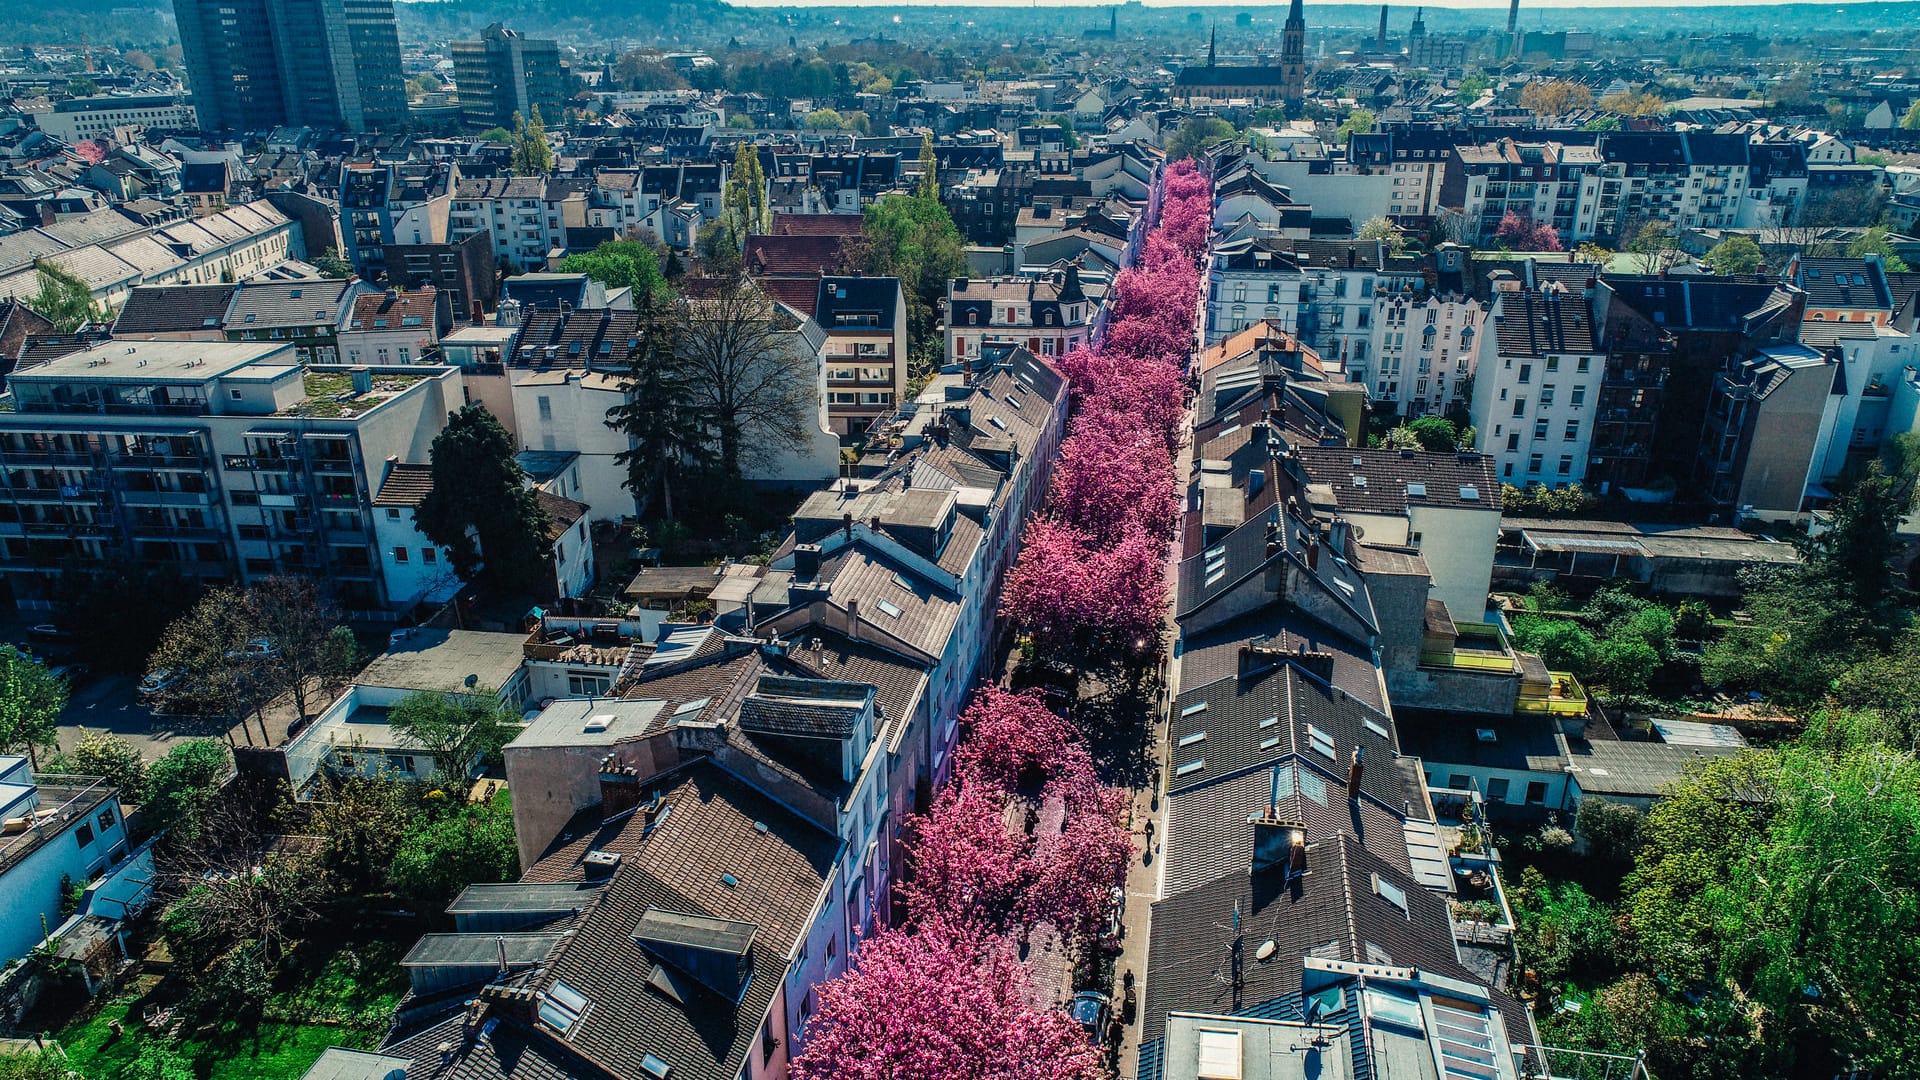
<point>481,510</point>
<point>31,698</point>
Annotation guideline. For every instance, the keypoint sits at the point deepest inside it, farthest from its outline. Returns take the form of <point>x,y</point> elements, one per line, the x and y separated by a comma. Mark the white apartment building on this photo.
<point>1688,179</point>
<point>1536,383</point>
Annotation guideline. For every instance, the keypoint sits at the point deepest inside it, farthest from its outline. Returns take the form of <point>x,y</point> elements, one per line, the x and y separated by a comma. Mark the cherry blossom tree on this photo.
<point>968,866</point>
<point>1078,599</point>
<point>1076,869</point>
<point>944,1002</point>
<point>1014,743</point>
<point>1522,233</point>
<point>1113,476</point>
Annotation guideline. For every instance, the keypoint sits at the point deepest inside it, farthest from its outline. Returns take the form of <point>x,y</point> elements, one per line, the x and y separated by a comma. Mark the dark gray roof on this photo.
<point>1535,324</point>
<point>1844,283</point>
<point>307,302</point>
<point>173,309</point>
<point>1398,479</point>
<point>1521,743</point>
<point>857,302</point>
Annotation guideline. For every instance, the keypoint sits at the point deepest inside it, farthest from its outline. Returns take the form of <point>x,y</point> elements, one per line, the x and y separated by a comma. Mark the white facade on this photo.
<point>1535,413</point>
<point>101,117</point>
<point>73,831</point>
<point>1423,352</point>
<point>566,409</point>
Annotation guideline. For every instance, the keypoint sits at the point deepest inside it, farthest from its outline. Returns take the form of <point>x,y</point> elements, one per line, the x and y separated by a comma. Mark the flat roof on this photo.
<point>479,335</point>
<point>340,1063</point>
<point>479,949</point>
<point>524,896</point>
<point>591,722</point>
<point>1201,1046</point>
<point>158,361</point>
<point>442,660</point>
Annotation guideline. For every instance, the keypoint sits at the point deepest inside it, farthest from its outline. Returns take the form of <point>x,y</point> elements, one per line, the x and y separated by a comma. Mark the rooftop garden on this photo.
<point>330,394</point>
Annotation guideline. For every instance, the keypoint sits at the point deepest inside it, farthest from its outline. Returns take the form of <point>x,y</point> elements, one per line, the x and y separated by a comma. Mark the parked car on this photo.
<point>256,649</point>
<point>1091,1009</point>
<point>47,631</point>
<point>159,681</point>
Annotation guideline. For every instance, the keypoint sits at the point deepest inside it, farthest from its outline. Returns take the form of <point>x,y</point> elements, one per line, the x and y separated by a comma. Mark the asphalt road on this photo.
<point>111,704</point>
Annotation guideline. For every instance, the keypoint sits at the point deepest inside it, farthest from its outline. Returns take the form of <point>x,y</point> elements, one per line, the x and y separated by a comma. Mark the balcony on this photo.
<point>47,457</point>
<point>166,498</point>
<point>1560,695</point>
<point>189,460</point>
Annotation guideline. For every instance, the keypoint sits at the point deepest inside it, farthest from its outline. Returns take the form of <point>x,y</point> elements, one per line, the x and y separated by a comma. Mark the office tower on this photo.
<point>255,64</point>
<point>505,72</point>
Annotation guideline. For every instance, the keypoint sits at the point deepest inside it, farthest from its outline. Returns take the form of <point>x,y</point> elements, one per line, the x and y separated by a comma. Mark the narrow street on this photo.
<point>1143,879</point>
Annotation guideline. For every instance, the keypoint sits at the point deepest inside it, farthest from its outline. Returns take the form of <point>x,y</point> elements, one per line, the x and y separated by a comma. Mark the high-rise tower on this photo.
<point>256,64</point>
<point>1293,58</point>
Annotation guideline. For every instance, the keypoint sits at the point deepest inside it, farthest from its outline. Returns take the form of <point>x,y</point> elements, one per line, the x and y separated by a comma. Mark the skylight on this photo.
<point>1269,742</point>
<point>1192,738</point>
<point>692,707</point>
<point>1269,722</point>
<point>997,422</point>
<point>1194,709</point>
<point>1191,767</point>
<point>890,608</point>
<point>1469,493</point>
<point>1320,740</point>
<point>1391,893</point>
<point>1374,726</point>
<point>1486,734</point>
<point>1416,490</point>
<point>562,1007</point>
<point>655,1067</point>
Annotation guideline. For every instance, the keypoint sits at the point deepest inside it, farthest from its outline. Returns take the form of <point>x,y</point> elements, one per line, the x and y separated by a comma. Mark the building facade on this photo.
<point>504,73</point>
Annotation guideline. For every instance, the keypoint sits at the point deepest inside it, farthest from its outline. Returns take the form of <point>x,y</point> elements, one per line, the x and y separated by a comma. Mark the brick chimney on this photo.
<point>1315,662</point>
<point>806,562</point>
<point>619,787</point>
<point>1354,771</point>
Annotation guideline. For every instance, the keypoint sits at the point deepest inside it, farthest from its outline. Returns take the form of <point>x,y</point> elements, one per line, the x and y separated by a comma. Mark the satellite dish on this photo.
<point>473,681</point>
<point>1265,951</point>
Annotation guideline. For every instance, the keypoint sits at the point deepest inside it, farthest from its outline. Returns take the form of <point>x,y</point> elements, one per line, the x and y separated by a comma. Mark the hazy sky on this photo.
<point>1524,4</point>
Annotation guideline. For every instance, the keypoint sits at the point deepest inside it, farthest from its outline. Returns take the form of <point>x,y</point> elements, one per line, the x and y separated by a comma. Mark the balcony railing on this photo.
<point>1563,696</point>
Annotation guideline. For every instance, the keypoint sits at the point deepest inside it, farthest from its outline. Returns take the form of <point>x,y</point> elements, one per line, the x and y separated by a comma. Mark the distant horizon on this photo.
<point>1466,5</point>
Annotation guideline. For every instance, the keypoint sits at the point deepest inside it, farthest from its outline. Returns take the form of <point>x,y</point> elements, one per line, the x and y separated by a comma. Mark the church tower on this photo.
<point>1293,58</point>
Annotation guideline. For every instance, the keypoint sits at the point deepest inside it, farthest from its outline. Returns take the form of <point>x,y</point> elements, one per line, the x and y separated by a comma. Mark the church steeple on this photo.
<point>1293,57</point>
<point>1213,39</point>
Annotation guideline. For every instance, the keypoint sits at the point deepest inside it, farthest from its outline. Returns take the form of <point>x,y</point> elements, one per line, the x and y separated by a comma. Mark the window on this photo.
<point>1497,789</point>
<point>84,835</point>
<point>1546,394</point>
<point>1579,397</point>
<point>1533,463</point>
<point>399,554</point>
<point>393,513</point>
<point>1573,431</point>
<point>1526,374</point>
<point>1539,429</point>
<point>429,556</point>
<point>1536,793</point>
<point>833,944</point>
<point>1513,442</point>
<point>106,820</point>
<point>546,407</point>
<point>1582,365</point>
<point>1553,363</point>
<point>1566,464</point>
<point>1519,406</point>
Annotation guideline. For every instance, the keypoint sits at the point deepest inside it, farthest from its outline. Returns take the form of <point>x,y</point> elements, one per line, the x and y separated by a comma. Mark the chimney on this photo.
<point>1274,541</point>
<point>806,561</point>
<point>595,866</point>
<point>1297,855</point>
<point>1313,553</point>
<point>1273,836</point>
<point>853,618</point>
<point>619,788</point>
<point>1338,535</point>
<point>1258,656</point>
<point>518,1002</point>
<point>1353,776</point>
<point>1315,662</point>
<point>846,523</point>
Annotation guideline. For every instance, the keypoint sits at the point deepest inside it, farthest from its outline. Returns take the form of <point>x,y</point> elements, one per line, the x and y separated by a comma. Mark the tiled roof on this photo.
<point>1532,324</point>
<point>1844,283</point>
<point>306,302</point>
<point>711,825</point>
<point>405,485</point>
<point>161,309</point>
<point>1388,478</point>
<point>562,513</point>
<point>798,253</point>
<point>369,309</point>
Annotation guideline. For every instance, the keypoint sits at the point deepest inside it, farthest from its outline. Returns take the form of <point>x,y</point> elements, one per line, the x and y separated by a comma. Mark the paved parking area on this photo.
<point>109,703</point>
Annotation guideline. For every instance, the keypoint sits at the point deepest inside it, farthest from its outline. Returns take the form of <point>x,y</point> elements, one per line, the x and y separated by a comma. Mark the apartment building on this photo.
<point>1545,182</point>
<point>96,116</point>
<point>1537,383</point>
<point>1424,335</point>
<point>865,320</point>
<point>503,74</point>
<point>226,461</point>
<point>1048,315</point>
<point>383,204</point>
<point>513,211</point>
<point>1687,179</point>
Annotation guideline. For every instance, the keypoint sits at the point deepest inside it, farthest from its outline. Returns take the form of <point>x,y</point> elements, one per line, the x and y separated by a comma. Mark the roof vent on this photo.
<point>599,722</point>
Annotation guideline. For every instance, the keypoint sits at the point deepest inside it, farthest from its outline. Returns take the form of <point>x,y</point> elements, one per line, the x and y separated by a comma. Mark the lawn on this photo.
<point>337,992</point>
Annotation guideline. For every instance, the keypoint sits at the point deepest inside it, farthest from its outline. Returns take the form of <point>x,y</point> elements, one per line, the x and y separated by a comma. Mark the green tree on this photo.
<point>1857,548</point>
<point>331,265</point>
<point>361,821</point>
<point>100,754</point>
<point>667,443</point>
<point>826,120</point>
<point>1611,830</point>
<point>1564,645</point>
<point>929,187</point>
<point>1735,255</point>
<point>36,1065</point>
<point>1653,242</point>
<point>1471,87</point>
<point>481,509</point>
<point>31,698</point>
<point>1625,665</point>
<point>744,200</point>
<point>532,156</point>
<point>913,238</point>
<point>457,729</point>
<point>1358,122</point>
<point>183,787</point>
<point>466,845</point>
<point>1821,921</point>
<point>1691,841</point>
<point>1435,434</point>
<point>620,264</point>
<point>495,135</point>
<point>1195,134</point>
<point>1380,228</point>
<point>1911,121</point>
<point>62,298</point>
<point>82,87</point>
<point>1876,241</point>
<point>160,1059</point>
